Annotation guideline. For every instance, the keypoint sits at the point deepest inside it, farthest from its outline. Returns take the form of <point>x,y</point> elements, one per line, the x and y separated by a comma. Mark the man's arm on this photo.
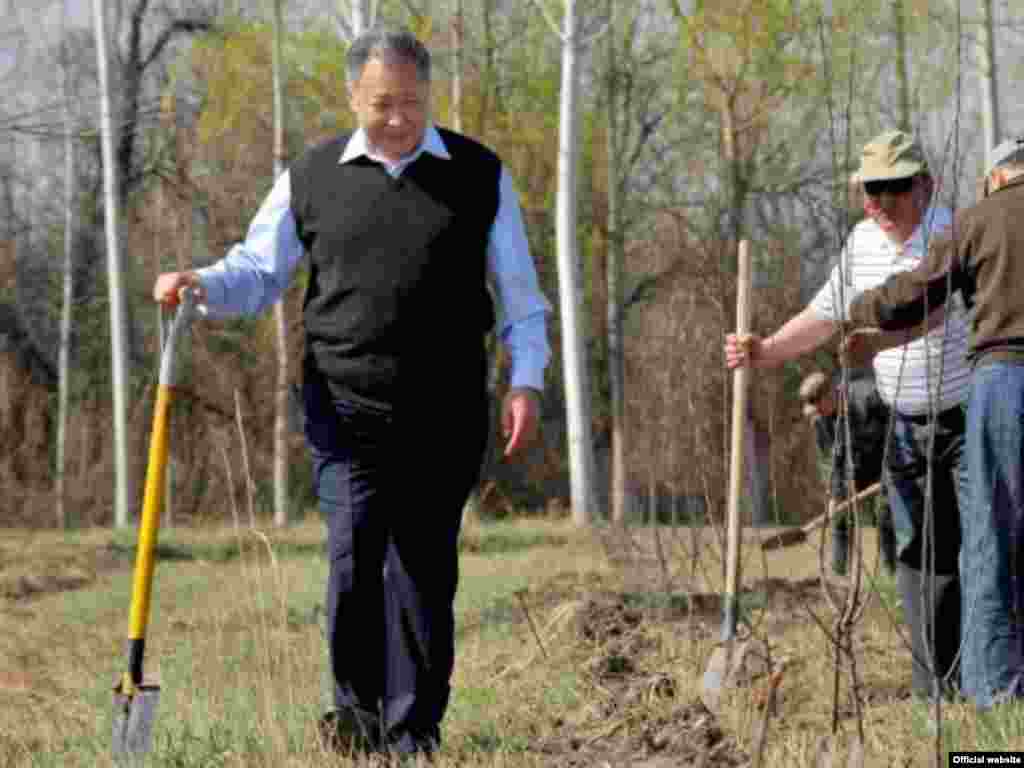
<point>860,345</point>
<point>801,334</point>
<point>254,273</point>
<point>522,324</point>
<point>902,301</point>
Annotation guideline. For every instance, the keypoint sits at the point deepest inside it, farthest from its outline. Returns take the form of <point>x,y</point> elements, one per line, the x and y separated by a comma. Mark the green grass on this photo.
<point>235,637</point>
<point>178,544</point>
<point>237,641</point>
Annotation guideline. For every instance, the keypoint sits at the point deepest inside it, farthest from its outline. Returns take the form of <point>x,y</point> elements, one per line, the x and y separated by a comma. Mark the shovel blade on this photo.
<point>715,677</point>
<point>733,663</point>
<point>133,724</point>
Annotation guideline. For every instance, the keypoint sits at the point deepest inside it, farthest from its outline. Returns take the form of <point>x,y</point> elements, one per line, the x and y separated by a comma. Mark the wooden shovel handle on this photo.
<point>740,383</point>
<point>842,506</point>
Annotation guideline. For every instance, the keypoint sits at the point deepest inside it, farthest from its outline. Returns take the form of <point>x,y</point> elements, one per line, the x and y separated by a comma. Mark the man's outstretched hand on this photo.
<point>520,419</point>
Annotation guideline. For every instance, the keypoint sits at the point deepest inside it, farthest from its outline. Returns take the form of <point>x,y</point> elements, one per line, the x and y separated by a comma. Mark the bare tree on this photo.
<point>577,385</point>
<point>902,73</point>
<point>354,17</point>
<point>280,325</point>
<point>616,354</point>
<point>989,80</point>
<point>457,36</point>
<point>631,119</point>
<point>64,367</point>
<point>114,272</point>
<point>135,59</point>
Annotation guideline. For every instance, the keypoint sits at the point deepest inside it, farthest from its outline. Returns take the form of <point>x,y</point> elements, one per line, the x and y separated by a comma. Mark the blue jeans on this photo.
<point>993,534</point>
<point>929,544</point>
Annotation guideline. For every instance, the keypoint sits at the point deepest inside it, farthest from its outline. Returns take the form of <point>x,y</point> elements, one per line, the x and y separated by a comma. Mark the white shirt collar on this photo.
<point>359,146</point>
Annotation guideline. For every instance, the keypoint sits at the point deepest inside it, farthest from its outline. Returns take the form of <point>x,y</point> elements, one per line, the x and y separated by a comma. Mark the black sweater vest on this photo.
<point>397,298</point>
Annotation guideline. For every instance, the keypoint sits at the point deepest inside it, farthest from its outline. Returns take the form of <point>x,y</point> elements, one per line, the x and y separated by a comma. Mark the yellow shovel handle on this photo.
<point>152,508</point>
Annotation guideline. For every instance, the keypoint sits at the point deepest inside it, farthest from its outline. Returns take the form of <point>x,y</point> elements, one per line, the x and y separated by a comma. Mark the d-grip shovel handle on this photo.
<point>152,506</point>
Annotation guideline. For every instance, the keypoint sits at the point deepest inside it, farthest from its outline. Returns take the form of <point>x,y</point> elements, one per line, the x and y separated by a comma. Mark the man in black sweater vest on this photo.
<point>404,223</point>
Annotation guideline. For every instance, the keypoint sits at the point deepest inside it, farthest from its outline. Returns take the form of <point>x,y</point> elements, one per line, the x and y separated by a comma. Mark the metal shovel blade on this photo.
<point>133,724</point>
<point>717,675</point>
<point>733,663</point>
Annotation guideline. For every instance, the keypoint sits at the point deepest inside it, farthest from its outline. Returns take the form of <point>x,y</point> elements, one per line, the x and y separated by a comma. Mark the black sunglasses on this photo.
<point>892,186</point>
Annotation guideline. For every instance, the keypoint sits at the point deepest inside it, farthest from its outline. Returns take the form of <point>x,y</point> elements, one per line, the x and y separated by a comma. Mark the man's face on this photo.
<point>896,206</point>
<point>824,406</point>
<point>390,103</point>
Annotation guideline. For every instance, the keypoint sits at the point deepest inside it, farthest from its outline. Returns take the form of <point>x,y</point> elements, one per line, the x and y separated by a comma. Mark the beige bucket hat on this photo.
<point>892,155</point>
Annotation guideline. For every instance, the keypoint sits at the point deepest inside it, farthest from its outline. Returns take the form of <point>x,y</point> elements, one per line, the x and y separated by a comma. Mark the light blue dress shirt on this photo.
<point>255,273</point>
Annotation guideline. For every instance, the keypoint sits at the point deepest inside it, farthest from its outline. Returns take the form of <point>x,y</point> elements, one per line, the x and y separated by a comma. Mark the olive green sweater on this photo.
<point>982,256</point>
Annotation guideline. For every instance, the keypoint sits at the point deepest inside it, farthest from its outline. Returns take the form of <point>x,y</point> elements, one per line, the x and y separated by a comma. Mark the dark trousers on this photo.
<point>391,484</point>
<point>927,544</point>
<point>842,538</point>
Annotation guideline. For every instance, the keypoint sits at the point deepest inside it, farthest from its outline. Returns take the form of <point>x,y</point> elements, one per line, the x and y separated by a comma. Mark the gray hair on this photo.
<point>1008,155</point>
<point>390,45</point>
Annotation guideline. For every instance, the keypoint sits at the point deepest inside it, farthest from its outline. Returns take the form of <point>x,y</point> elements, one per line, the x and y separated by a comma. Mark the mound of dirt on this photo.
<point>687,734</point>
<point>31,585</point>
<point>635,715</point>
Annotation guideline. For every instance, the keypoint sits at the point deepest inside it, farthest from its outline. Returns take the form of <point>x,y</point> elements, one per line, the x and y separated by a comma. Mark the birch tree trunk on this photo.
<point>119,372</point>
<point>64,355</point>
<point>581,446</point>
<point>361,15</point>
<point>280,323</point>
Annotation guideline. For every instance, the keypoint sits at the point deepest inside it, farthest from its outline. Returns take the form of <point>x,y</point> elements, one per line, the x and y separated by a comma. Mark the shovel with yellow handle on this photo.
<point>135,698</point>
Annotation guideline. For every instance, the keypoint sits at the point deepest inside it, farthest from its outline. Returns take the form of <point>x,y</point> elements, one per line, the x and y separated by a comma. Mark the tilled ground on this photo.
<point>635,715</point>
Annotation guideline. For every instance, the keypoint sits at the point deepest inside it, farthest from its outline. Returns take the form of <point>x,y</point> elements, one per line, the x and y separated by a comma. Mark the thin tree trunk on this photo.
<point>64,364</point>
<point>119,373</point>
<point>616,349</point>
<point>989,80</point>
<point>363,12</point>
<point>456,106</point>
<point>488,78</point>
<point>581,446</point>
<point>902,71</point>
<point>758,486</point>
<point>280,323</point>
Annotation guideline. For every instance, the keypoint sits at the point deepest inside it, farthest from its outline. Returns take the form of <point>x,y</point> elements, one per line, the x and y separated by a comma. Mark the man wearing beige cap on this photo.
<point>923,380</point>
<point>982,260</point>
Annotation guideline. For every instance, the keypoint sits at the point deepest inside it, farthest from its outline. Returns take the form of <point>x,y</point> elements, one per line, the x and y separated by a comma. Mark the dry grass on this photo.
<point>609,670</point>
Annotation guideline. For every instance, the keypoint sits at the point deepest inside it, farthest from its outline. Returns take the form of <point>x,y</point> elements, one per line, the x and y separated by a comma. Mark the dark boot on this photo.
<point>941,599</point>
<point>349,730</point>
<point>840,546</point>
<point>886,539</point>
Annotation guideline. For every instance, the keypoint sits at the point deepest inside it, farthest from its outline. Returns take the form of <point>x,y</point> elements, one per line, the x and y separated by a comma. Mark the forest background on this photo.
<point>700,123</point>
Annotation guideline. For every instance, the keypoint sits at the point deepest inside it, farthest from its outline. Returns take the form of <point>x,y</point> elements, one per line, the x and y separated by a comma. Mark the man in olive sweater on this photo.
<point>983,258</point>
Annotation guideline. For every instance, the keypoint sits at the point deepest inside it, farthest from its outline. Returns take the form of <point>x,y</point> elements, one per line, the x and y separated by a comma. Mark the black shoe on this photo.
<point>413,748</point>
<point>349,730</point>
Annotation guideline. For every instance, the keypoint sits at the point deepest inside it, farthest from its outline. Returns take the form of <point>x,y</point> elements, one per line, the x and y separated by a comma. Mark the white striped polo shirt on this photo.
<point>903,373</point>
